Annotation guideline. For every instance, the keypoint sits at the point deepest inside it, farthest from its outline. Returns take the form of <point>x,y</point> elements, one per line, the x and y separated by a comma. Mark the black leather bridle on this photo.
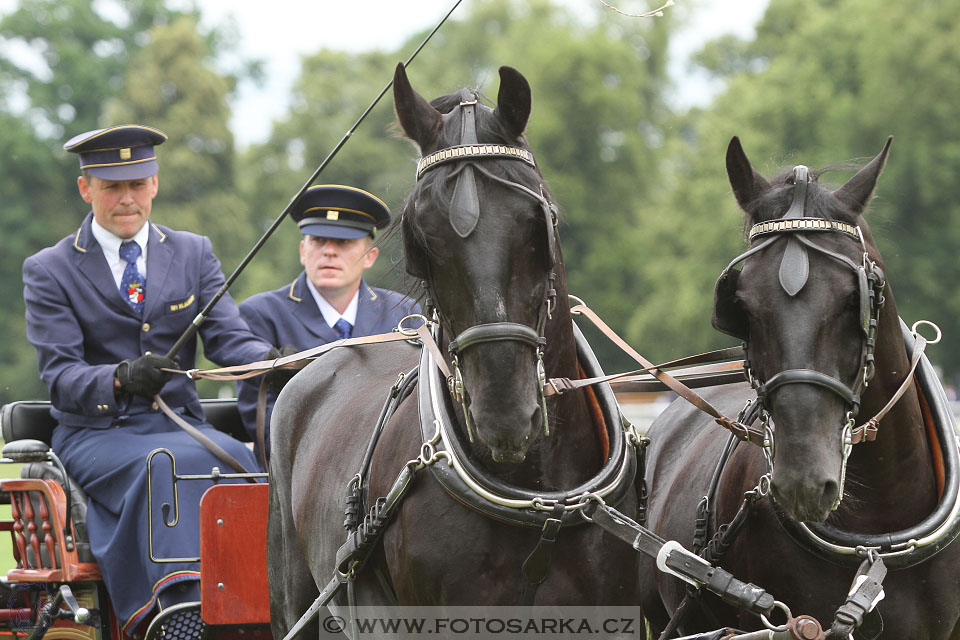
<point>464,214</point>
<point>795,226</point>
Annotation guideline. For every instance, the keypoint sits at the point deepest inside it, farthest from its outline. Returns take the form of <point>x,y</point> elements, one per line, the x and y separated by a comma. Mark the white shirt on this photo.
<point>110,244</point>
<point>331,315</point>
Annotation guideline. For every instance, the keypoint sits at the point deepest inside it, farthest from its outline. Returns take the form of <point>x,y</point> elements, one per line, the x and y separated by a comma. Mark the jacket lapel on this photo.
<point>307,311</point>
<point>368,311</point>
<point>91,263</point>
<point>159,259</point>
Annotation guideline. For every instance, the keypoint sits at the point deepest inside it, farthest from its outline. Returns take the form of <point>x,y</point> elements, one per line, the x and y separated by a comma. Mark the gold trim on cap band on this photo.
<point>117,164</point>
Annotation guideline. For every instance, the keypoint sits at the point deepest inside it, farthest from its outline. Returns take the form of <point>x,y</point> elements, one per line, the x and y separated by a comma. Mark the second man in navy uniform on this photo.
<point>330,299</point>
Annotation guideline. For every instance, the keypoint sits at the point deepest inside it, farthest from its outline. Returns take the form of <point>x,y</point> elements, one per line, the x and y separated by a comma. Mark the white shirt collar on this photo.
<point>331,315</point>
<point>110,244</point>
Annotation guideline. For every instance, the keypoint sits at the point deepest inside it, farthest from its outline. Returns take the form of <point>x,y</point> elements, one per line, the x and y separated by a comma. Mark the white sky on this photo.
<point>361,25</point>
<point>281,31</point>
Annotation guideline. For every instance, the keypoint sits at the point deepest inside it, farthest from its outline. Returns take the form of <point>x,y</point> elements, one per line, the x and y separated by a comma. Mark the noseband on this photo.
<point>794,270</point>
<point>464,216</point>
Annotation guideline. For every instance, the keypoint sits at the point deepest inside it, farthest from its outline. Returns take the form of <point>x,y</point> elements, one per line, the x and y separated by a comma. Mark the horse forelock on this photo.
<point>820,202</point>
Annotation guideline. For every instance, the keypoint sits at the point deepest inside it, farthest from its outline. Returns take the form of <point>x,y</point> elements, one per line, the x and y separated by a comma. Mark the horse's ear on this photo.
<point>420,121</point>
<point>513,100</point>
<point>858,189</point>
<point>748,185</point>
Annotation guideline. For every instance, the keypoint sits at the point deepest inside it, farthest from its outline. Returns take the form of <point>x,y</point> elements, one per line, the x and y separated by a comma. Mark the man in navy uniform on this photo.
<point>330,299</point>
<point>102,305</point>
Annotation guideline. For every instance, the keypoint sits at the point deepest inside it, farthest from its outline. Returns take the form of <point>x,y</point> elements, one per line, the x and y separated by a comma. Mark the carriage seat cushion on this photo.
<point>31,419</point>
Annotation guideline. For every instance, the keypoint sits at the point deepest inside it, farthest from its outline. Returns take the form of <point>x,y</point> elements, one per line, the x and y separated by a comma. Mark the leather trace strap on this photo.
<point>715,371</point>
<point>218,451</point>
<point>741,431</point>
<point>260,434</point>
<point>868,430</point>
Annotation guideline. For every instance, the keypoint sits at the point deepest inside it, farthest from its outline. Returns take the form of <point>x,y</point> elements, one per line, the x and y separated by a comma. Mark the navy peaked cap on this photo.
<point>337,211</point>
<point>124,152</point>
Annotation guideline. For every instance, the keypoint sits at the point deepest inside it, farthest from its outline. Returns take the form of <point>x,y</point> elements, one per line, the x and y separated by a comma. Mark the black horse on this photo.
<point>825,351</point>
<point>479,228</point>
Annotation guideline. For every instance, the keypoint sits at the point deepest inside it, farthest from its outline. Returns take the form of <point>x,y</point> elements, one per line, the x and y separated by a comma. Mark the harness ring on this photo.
<point>410,332</point>
<point>777,628</point>
<point>914,331</point>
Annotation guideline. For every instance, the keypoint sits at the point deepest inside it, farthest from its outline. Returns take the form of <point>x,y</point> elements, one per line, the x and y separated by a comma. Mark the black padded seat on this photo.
<point>31,419</point>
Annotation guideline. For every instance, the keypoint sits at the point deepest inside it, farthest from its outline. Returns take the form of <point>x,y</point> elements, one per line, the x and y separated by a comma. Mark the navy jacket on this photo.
<point>290,315</point>
<point>81,327</point>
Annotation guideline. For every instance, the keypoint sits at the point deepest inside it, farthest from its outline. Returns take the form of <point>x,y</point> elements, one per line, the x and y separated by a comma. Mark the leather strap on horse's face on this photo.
<point>795,266</point>
<point>465,206</point>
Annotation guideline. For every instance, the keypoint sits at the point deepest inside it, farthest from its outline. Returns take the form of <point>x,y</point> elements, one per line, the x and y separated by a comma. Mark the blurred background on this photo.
<point>630,124</point>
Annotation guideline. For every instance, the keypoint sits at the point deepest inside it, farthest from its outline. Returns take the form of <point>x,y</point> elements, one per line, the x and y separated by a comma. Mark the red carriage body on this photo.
<point>234,595</point>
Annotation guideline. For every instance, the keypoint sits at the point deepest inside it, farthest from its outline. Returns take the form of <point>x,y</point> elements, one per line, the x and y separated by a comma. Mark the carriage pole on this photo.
<point>194,326</point>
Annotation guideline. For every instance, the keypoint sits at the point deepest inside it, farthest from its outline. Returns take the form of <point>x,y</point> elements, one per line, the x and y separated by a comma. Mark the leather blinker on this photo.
<point>728,317</point>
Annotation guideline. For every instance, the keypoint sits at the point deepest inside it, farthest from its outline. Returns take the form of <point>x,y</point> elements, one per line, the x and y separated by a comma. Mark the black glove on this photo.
<point>143,376</point>
<point>276,378</point>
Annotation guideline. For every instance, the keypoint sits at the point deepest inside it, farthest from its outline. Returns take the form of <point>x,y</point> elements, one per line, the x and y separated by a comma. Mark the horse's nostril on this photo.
<point>537,415</point>
<point>829,497</point>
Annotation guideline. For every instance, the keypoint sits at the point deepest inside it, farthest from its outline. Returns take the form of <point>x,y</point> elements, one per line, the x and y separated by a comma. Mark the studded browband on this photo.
<point>802,224</point>
<point>474,151</point>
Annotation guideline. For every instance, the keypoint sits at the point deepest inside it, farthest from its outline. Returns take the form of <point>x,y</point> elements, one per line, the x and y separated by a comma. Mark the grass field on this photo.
<point>6,544</point>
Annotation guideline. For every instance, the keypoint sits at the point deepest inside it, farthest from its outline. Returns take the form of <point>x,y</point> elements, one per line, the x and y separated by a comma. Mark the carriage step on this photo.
<point>179,622</point>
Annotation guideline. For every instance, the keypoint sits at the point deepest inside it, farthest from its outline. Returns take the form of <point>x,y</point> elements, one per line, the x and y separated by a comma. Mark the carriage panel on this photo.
<point>233,530</point>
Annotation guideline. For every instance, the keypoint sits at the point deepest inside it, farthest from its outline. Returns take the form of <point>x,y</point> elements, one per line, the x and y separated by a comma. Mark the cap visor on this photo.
<point>338,231</point>
<point>136,171</point>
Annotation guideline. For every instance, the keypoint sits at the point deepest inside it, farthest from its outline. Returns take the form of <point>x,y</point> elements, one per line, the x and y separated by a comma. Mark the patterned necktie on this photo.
<point>132,284</point>
<point>343,328</point>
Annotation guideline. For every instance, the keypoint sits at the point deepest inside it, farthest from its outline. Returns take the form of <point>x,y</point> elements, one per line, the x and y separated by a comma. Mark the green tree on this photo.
<point>820,84</point>
<point>83,54</point>
<point>136,58</point>
<point>598,110</point>
<point>173,85</point>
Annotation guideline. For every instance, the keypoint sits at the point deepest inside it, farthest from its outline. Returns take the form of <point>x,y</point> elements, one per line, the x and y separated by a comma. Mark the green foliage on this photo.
<point>648,220</point>
<point>821,84</point>
<point>595,127</point>
<point>143,63</point>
